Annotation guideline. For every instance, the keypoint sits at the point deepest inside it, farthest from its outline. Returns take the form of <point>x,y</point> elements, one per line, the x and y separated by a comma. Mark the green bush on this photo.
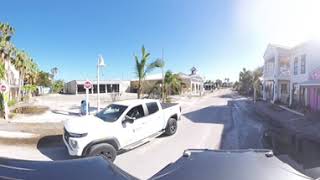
<point>30,110</point>
<point>58,86</point>
<point>12,102</point>
<point>1,103</point>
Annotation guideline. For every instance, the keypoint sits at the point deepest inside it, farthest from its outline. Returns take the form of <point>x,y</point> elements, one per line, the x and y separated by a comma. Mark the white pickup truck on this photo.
<point>120,126</point>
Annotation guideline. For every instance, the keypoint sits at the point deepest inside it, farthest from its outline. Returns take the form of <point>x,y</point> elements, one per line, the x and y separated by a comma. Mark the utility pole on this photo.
<point>100,64</point>
<point>162,89</point>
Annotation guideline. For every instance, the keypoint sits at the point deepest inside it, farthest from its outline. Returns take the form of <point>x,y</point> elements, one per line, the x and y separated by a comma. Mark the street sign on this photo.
<point>3,88</point>
<point>87,85</point>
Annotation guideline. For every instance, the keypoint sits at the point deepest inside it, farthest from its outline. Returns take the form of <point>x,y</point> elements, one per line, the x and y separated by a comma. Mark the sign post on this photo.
<point>3,89</point>
<point>87,85</point>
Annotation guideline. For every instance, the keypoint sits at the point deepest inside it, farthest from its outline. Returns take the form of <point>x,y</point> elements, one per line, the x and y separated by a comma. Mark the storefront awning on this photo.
<point>310,83</point>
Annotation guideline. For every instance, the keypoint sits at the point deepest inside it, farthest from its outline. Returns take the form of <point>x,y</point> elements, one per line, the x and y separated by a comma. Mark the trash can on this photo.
<point>83,107</point>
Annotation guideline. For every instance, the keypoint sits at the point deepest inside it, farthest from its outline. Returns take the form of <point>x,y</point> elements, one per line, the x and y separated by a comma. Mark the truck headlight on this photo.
<point>76,135</point>
<point>73,144</point>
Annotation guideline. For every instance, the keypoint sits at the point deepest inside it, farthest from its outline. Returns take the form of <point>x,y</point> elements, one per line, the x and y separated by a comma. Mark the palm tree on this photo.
<point>172,83</point>
<point>246,81</point>
<point>27,68</point>
<point>6,48</point>
<point>160,63</point>
<point>142,68</point>
<point>32,72</point>
<point>257,74</point>
<point>54,72</point>
<point>22,64</point>
<point>6,51</point>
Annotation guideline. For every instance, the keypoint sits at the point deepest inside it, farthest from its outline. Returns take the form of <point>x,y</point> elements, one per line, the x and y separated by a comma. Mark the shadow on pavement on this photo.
<point>53,147</point>
<point>65,113</point>
<point>231,96</point>
<point>302,154</point>
<point>215,115</point>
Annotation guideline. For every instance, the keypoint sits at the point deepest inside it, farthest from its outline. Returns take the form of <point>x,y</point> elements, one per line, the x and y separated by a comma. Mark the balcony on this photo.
<point>284,68</point>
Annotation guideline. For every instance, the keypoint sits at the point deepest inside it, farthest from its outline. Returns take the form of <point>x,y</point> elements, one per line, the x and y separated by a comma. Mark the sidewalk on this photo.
<point>305,127</point>
<point>12,133</point>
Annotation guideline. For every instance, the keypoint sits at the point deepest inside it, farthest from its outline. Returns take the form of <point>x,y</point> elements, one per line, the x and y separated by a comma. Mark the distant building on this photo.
<point>276,74</point>
<point>192,83</point>
<point>292,75</point>
<point>13,76</point>
<point>106,86</point>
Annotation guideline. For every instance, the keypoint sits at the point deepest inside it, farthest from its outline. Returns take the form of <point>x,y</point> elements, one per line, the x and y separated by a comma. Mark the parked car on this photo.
<point>120,126</point>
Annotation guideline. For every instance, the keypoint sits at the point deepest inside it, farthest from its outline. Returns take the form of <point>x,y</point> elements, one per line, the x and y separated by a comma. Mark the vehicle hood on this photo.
<point>228,165</point>
<point>93,168</point>
<point>84,124</point>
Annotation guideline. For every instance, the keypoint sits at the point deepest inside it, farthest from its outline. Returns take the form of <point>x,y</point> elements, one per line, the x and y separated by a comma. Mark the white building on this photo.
<point>292,75</point>
<point>276,74</point>
<point>13,76</point>
<point>106,86</point>
<point>193,83</point>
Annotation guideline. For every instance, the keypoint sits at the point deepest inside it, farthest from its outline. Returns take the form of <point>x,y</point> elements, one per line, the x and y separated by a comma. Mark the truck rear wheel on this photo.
<point>171,128</point>
<point>104,149</point>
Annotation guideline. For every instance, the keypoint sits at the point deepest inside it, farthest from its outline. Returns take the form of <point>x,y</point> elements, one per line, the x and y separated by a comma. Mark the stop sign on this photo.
<point>3,88</point>
<point>87,85</point>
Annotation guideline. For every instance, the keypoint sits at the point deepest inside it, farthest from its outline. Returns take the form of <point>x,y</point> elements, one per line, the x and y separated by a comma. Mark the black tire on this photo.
<point>172,127</point>
<point>103,149</point>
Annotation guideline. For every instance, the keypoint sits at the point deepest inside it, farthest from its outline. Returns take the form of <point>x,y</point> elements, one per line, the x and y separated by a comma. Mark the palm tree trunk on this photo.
<point>6,96</point>
<point>21,79</point>
<point>139,89</point>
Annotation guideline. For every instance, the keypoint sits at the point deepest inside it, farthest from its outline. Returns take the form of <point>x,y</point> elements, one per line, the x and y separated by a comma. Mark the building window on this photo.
<point>284,89</point>
<point>303,64</point>
<point>295,66</point>
<point>152,107</point>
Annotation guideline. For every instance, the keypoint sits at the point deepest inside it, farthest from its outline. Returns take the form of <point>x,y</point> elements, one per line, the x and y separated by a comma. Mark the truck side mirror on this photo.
<point>128,119</point>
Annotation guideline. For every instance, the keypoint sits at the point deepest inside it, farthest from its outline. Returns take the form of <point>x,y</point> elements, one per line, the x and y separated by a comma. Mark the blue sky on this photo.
<point>217,37</point>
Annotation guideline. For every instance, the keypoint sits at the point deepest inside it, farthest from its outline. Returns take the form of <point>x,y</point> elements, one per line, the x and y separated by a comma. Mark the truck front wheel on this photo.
<point>171,128</point>
<point>103,149</point>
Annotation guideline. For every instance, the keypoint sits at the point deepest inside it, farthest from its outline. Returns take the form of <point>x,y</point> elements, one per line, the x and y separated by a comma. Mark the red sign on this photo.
<point>87,85</point>
<point>3,88</point>
<point>315,75</point>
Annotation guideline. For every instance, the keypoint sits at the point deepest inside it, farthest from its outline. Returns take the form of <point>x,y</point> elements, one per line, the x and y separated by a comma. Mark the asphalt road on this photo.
<point>220,120</point>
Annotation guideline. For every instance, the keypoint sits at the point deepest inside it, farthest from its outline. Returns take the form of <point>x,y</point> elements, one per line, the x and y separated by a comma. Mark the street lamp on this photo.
<point>100,64</point>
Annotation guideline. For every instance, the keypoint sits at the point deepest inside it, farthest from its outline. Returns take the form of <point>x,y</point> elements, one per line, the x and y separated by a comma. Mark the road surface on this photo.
<point>220,120</point>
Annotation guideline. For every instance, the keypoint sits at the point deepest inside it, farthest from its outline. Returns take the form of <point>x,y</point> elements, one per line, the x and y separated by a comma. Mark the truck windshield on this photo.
<point>111,113</point>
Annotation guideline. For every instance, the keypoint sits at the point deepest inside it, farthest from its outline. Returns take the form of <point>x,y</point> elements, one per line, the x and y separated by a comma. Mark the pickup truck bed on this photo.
<point>167,105</point>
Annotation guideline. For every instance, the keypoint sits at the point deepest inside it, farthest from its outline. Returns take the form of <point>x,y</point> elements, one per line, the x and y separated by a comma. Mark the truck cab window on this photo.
<point>152,107</point>
<point>136,112</point>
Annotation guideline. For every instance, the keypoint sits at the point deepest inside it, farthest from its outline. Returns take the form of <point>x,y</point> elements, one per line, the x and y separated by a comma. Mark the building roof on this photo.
<point>310,83</point>
<point>101,81</point>
<point>278,48</point>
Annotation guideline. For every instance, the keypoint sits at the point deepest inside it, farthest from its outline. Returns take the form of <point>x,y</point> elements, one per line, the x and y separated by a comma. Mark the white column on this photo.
<point>290,93</point>
<point>98,87</point>
<point>275,90</point>
<point>264,93</point>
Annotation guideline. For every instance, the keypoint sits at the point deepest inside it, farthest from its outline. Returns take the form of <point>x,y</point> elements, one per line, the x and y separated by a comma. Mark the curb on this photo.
<point>16,138</point>
<point>290,110</point>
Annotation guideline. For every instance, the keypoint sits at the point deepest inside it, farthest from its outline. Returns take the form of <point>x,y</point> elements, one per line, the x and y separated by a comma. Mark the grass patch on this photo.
<point>30,110</point>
